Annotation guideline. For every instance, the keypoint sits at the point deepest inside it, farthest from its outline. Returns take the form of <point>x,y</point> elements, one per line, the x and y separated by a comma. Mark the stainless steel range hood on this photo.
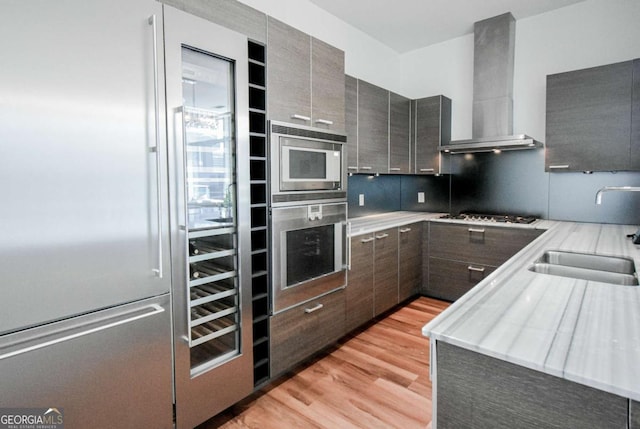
<point>493,59</point>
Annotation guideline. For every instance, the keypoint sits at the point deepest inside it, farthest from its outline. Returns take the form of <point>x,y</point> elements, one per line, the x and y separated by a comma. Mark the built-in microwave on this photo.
<point>307,164</point>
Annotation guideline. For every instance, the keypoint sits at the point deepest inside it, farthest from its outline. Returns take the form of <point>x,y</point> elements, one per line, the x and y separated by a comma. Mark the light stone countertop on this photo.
<point>367,224</point>
<point>583,331</point>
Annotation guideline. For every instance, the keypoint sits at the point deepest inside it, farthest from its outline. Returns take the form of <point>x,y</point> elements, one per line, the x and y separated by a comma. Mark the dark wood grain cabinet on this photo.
<point>359,292</point>
<point>373,128</point>
<point>306,79</point>
<point>385,268</point>
<point>327,86</point>
<point>392,134</point>
<point>409,260</point>
<point>634,415</point>
<point>432,129</point>
<point>301,331</point>
<point>351,122</point>
<point>232,14</point>
<point>589,119</point>
<point>460,256</point>
<point>399,134</point>
<point>479,391</point>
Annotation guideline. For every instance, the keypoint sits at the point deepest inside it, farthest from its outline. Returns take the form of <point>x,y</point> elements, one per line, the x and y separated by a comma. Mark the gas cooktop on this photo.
<point>479,217</point>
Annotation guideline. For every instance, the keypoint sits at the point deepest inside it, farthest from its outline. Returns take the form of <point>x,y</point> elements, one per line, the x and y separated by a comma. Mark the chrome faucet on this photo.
<point>634,237</point>
<point>614,188</point>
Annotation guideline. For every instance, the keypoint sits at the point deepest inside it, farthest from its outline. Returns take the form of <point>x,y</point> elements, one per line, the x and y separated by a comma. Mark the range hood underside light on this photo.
<point>492,144</point>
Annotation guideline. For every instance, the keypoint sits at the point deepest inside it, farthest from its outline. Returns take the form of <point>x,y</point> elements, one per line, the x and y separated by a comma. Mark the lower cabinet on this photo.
<point>460,256</point>
<point>409,260</point>
<point>451,279</point>
<point>385,269</point>
<point>299,332</point>
<point>634,415</point>
<point>359,291</point>
<point>477,391</point>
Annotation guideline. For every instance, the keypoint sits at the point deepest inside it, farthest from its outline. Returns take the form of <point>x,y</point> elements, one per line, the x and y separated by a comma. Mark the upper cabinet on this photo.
<point>351,122</point>
<point>589,119</point>
<point>327,86</point>
<point>432,129</point>
<point>389,133</point>
<point>232,14</point>
<point>305,77</point>
<point>373,128</point>
<point>399,134</point>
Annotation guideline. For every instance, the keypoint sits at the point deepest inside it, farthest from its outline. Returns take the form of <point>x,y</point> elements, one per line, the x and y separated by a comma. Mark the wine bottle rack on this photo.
<point>259,211</point>
<point>213,295</point>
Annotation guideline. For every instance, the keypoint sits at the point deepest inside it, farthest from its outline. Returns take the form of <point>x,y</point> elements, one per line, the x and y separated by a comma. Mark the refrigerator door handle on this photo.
<point>110,322</point>
<point>152,22</point>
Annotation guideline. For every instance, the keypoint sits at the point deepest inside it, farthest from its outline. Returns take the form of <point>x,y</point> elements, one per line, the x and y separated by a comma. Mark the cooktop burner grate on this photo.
<point>498,218</point>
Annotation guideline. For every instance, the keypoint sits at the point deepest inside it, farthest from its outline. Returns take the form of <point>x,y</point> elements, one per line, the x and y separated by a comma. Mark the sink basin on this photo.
<point>587,266</point>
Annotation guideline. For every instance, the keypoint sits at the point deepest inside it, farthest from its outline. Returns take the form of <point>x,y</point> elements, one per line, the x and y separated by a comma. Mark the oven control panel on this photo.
<point>314,212</point>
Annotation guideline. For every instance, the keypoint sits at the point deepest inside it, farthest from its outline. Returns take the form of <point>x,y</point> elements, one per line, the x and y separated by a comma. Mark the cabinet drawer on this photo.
<point>477,243</point>
<point>451,279</point>
<point>303,330</point>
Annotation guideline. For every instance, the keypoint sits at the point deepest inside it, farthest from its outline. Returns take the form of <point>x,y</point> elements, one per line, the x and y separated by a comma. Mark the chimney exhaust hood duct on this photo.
<point>493,59</point>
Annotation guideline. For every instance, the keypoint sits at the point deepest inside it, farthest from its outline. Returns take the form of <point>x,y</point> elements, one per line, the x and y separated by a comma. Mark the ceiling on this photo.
<point>406,25</point>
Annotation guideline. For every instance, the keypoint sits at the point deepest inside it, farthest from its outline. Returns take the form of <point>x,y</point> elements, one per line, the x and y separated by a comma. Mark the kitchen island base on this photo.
<point>475,390</point>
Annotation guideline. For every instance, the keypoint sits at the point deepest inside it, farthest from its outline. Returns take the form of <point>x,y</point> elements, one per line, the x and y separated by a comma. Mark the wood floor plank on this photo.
<point>377,377</point>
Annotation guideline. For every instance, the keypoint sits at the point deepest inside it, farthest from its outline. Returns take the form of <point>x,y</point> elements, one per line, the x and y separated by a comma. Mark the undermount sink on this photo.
<point>587,266</point>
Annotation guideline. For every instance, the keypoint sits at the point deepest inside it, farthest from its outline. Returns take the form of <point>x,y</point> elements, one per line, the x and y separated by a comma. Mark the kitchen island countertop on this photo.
<point>583,331</point>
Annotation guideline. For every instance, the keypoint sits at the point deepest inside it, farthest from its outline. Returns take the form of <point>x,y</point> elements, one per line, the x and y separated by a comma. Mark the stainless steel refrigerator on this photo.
<point>85,320</point>
<point>99,208</point>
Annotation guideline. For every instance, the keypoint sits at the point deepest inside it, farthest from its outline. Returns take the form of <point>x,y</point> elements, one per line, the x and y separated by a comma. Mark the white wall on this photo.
<point>587,34</point>
<point>365,57</point>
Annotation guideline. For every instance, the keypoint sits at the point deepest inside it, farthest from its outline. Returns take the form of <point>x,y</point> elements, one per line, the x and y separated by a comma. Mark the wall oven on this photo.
<point>309,252</point>
<point>306,164</point>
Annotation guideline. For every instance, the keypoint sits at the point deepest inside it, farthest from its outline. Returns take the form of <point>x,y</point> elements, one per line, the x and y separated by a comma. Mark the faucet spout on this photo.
<point>614,188</point>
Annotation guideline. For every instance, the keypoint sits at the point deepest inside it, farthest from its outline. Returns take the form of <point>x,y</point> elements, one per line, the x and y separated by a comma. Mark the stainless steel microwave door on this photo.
<point>207,119</point>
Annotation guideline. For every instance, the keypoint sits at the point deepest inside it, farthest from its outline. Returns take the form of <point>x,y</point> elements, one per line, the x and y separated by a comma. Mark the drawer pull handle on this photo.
<point>476,269</point>
<point>403,230</point>
<point>314,308</point>
<point>427,170</point>
<point>365,168</point>
<point>394,169</point>
<point>324,121</point>
<point>558,167</point>
<point>367,240</point>
<point>301,117</point>
<point>381,236</point>
<point>478,230</point>
<point>352,167</point>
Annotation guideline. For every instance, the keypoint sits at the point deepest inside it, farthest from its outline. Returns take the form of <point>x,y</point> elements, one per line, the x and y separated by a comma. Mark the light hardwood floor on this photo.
<point>377,377</point>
